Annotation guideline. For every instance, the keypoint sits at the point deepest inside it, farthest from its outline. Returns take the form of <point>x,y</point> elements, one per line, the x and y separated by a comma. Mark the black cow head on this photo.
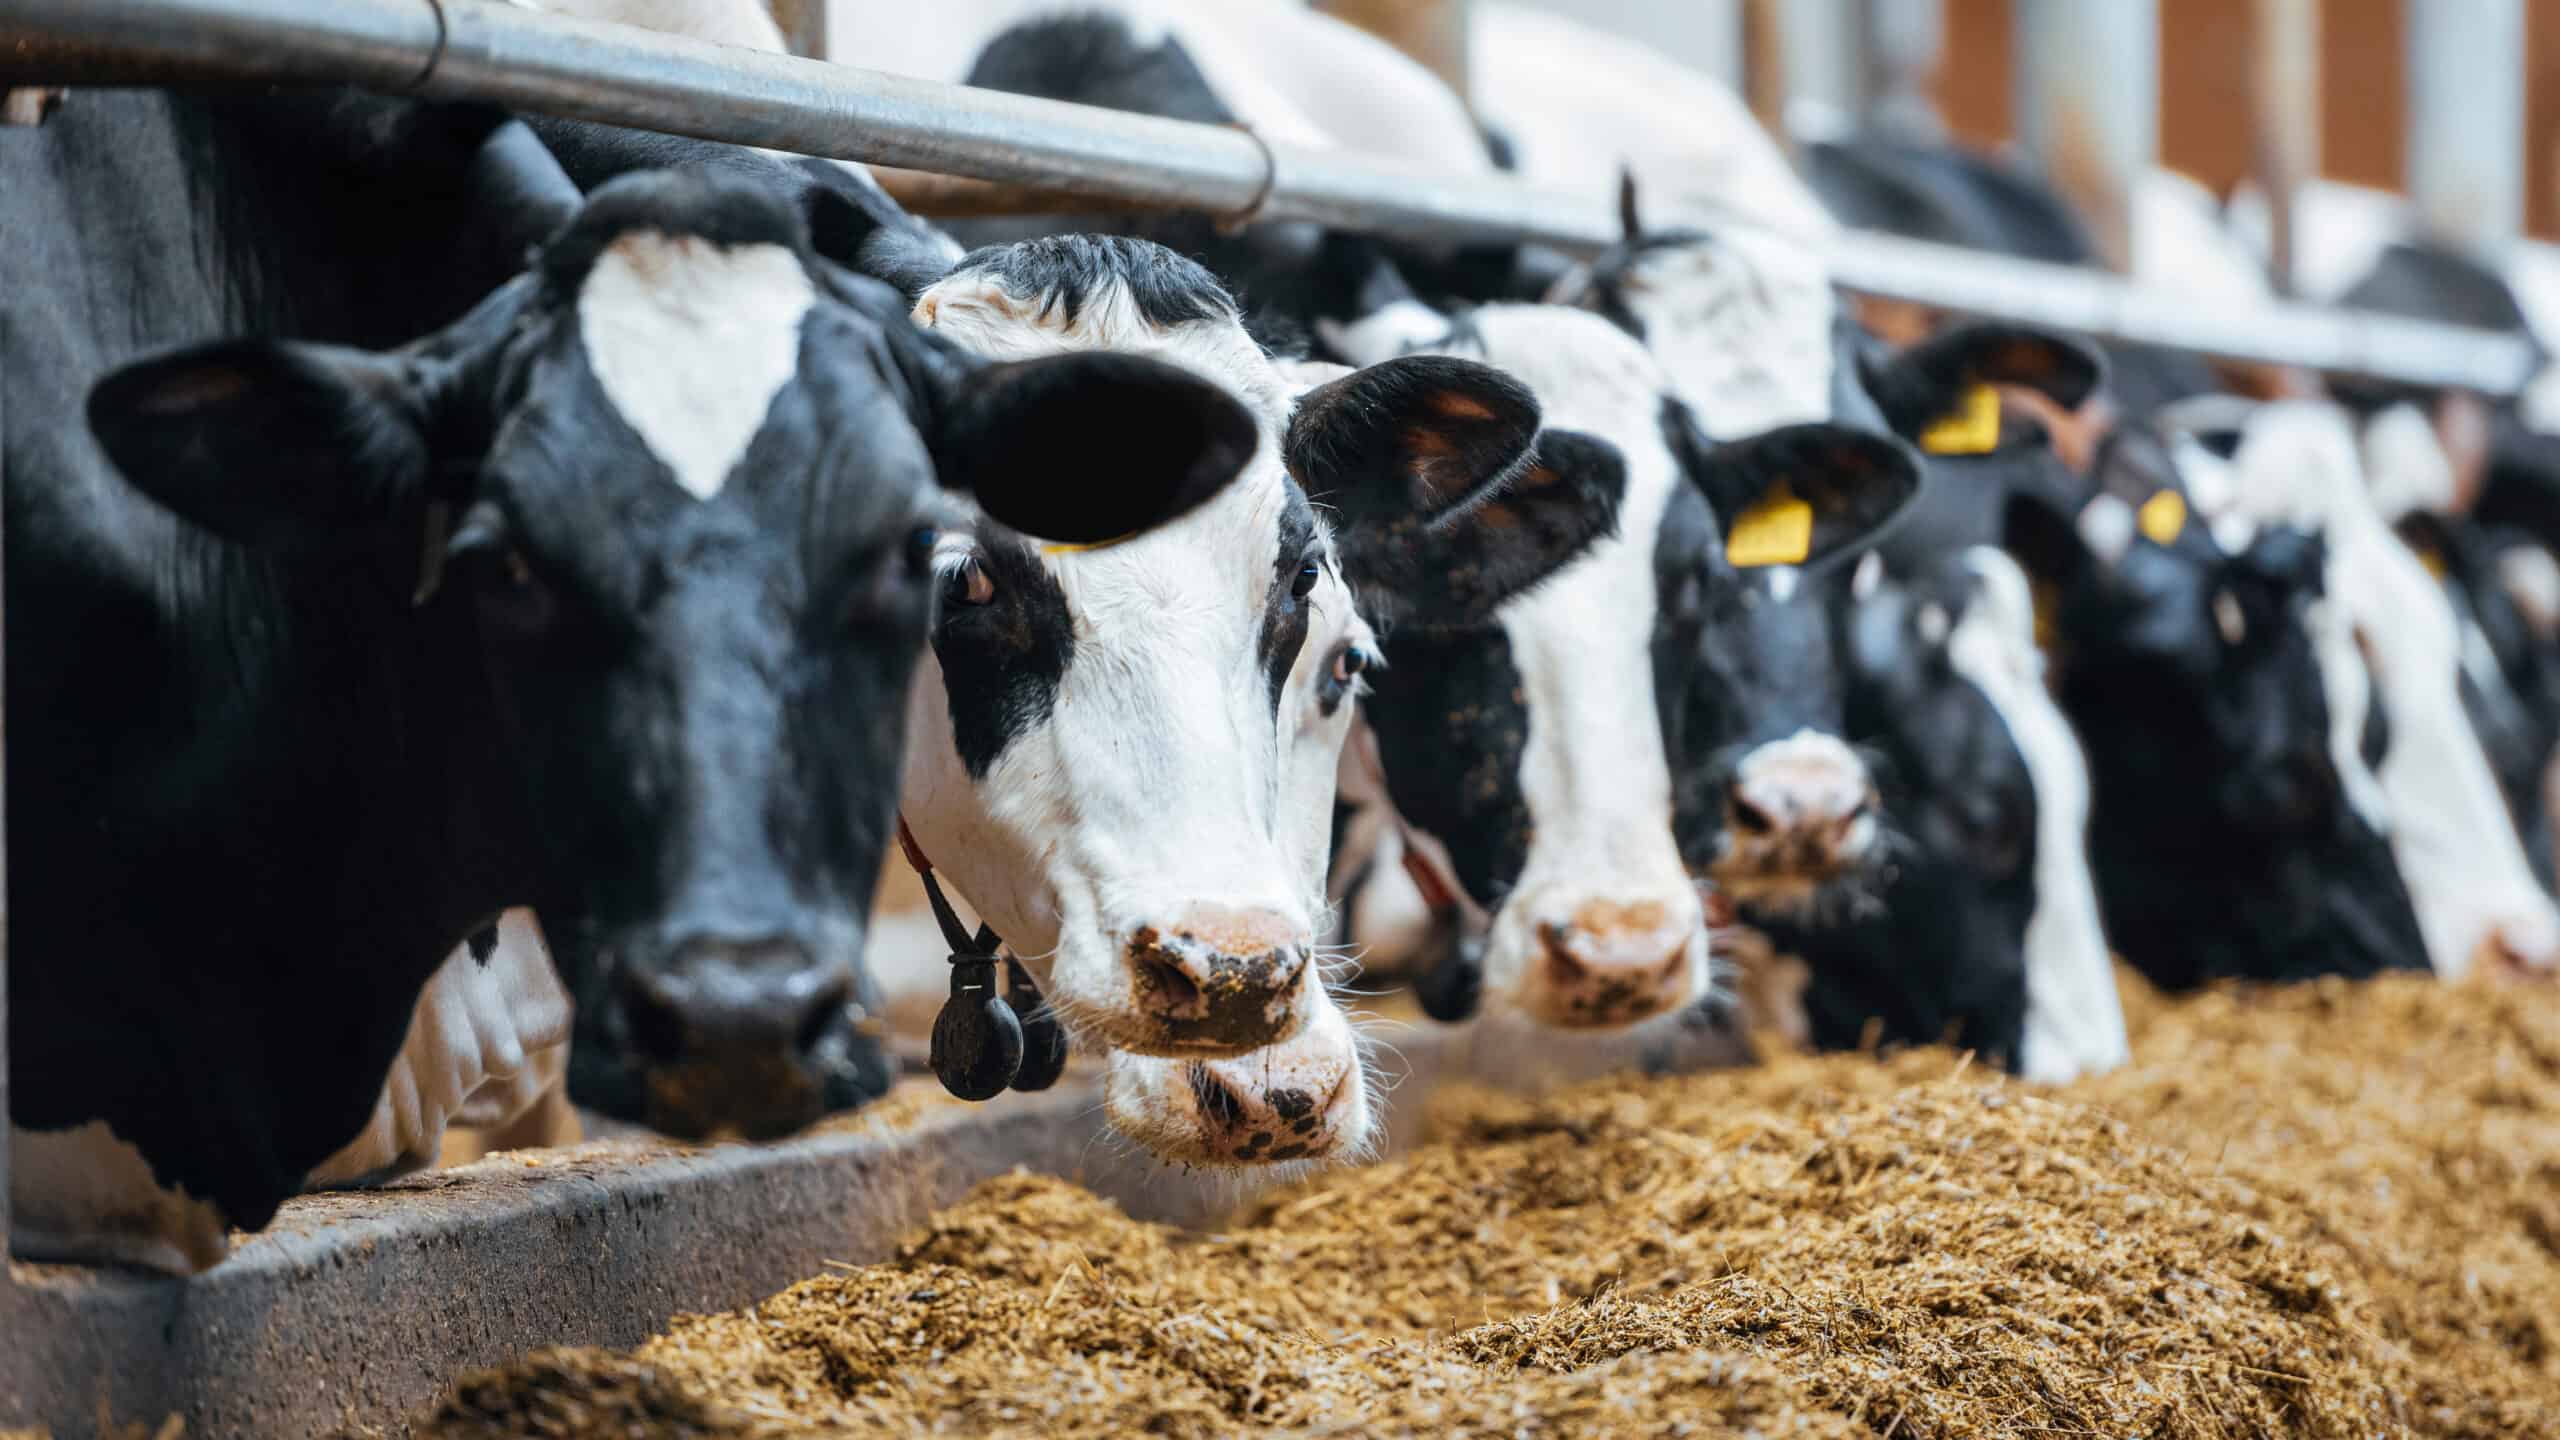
<point>691,476</point>
<point>1773,804</point>
<point>2227,752</point>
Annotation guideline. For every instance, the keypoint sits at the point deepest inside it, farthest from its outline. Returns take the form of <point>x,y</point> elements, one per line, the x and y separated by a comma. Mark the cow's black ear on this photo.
<point>1802,494</point>
<point>1088,447</point>
<point>1932,383</point>
<point>1415,435</point>
<point>853,222</point>
<point>267,442</point>
<point>1454,569</point>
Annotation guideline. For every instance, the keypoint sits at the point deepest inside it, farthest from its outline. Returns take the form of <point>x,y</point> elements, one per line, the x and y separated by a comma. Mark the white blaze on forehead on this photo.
<point>2074,1022</point>
<point>1742,325</point>
<point>2406,464</point>
<point>691,341</point>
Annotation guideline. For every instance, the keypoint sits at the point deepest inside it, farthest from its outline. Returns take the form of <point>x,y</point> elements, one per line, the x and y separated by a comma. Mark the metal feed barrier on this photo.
<point>527,60</point>
<point>359,1309</point>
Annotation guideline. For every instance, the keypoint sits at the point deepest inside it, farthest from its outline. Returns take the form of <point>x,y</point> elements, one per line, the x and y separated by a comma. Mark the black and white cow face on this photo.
<point>1103,757</point>
<point>2237,827</point>
<point>1989,935</point>
<point>1537,754</point>
<point>1775,806</point>
<point>695,470</point>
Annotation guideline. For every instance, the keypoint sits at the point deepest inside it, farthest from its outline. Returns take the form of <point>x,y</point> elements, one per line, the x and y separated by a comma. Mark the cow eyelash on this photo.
<point>965,580</point>
<point>1303,584</point>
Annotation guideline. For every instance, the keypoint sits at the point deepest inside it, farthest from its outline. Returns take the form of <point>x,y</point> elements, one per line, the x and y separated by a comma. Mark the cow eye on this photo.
<point>968,583</point>
<point>1303,583</point>
<point>920,543</point>
<point>1348,664</point>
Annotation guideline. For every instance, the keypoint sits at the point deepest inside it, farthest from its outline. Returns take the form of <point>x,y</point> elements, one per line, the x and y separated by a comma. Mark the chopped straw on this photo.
<point>2327,1210</point>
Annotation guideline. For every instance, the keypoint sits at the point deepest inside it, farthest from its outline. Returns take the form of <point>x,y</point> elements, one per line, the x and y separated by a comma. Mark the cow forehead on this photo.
<point>1744,325</point>
<point>690,341</point>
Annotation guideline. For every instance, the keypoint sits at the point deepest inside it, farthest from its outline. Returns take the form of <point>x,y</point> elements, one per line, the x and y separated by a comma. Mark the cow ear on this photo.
<point>1413,436</point>
<point>853,222</point>
<point>267,442</point>
<point>1801,494</point>
<point>1932,387</point>
<point>1454,570</point>
<point>1152,441</point>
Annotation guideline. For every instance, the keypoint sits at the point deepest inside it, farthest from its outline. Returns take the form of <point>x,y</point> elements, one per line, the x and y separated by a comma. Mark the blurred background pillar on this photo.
<point>2284,96</point>
<point>2087,107</point>
<point>2465,158</point>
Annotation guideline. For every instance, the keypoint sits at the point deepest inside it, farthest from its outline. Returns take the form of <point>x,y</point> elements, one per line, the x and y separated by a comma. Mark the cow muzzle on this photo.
<point>732,1033</point>
<point>1211,981</point>
<point>1800,816</point>
<point>1600,962</point>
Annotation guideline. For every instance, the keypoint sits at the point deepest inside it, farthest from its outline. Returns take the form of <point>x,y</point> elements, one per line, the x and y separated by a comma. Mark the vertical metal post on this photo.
<point>2465,154</point>
<point>1433,32</point>
<point>2284,108</point>
<point>1823,59</point>
<point>2088,105</point>
<point>1904,41</point>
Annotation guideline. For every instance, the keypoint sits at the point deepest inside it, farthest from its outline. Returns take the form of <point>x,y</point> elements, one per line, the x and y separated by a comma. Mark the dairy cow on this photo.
<point>1987,935</point>
<point>561,602</point>
<point>1123,755</point>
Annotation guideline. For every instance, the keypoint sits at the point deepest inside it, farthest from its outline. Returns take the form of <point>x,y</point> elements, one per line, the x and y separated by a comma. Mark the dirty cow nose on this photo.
<point>1219,977</point>
<point>1615,964</point>
<point>1800,811</point>
<point>766,997</point>
<point>1254,1111</point>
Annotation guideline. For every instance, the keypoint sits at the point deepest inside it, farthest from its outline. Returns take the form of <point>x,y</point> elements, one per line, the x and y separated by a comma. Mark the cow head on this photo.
<point>1107,760</point>
<point>2223,708</point>
<point>689,475</point>
<point>1523,755</point>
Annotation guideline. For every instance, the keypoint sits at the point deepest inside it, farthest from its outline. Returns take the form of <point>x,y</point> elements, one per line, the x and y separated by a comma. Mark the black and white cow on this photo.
<point>1987,934</point>
<point>291,756</point>
<point>2237,829</point>
<point>1523,758</point>
<point>1124,755</point>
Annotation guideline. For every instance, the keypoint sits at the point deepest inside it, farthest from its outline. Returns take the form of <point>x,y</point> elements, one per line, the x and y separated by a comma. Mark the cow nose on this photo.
<point>1219,976</point>
<point>1806,801</point>
<point>719,996</point>
<point>1614,963</point>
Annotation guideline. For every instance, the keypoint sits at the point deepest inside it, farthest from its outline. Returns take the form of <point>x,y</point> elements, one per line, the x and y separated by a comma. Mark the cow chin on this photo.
<point>1799,890</point>
<point>1303,1101</point>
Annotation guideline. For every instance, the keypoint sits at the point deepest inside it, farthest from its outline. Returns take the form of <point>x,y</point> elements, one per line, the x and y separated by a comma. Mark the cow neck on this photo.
<point>982,946</point>
<point>1438,889</point>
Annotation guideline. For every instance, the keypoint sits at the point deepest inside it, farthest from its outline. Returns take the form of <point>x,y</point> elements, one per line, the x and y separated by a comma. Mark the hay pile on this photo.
<point>2330,1211</point>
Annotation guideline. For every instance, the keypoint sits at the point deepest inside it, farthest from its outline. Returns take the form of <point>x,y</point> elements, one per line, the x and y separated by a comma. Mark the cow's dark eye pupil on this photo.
<point>1305,583</point>
<point>920,543</point>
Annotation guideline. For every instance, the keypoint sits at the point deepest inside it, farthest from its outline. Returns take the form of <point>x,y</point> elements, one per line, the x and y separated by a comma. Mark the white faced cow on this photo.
<point>1122,754</point>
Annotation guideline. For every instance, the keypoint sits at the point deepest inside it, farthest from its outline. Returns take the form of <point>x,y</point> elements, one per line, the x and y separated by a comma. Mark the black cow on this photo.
<point>602,597</point>
<point>2224,839</point>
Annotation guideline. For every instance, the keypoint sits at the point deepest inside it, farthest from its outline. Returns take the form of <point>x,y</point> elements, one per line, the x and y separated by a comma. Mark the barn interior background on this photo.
<point>351,1312</point>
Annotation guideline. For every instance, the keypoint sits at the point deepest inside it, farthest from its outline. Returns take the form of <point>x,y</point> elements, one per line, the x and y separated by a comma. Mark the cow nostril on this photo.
<point>822,1015</point>
<point>1750,819</point>
<point>1164,978</point>
<point>1219,1102</point>
<point>656,1033</point>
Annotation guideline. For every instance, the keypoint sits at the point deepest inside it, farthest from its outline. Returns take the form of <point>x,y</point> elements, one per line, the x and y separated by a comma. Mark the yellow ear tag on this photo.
<point>2432,558</point>
<point>1777,529</point>
<point>2163,517</point>
<point>1064,548</point>
<point>1972,428</point>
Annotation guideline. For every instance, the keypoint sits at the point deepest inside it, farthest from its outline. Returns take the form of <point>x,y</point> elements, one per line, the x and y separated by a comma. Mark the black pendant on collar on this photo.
<point>1452,986</point>
<point>1044,1040</point>
<point>977,1039</point>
